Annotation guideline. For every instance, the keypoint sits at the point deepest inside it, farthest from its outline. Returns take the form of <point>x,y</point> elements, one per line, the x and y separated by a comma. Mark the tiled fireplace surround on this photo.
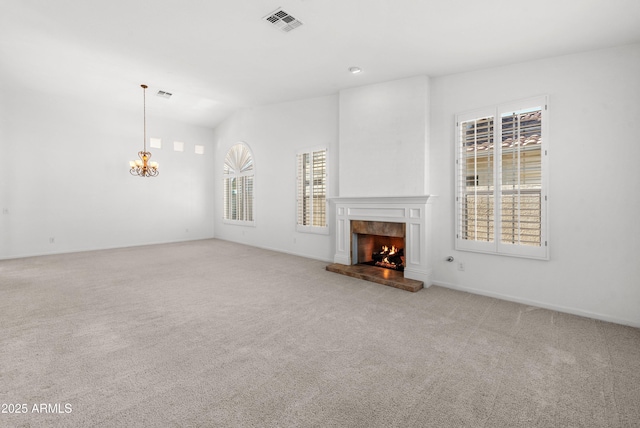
<point>413,211</point>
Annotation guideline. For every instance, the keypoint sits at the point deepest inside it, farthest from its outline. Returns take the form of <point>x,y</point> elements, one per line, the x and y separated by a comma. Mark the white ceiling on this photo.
<point>216,56</point>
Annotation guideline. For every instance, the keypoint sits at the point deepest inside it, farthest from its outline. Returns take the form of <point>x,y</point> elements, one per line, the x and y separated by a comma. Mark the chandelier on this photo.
<point>143,167</point>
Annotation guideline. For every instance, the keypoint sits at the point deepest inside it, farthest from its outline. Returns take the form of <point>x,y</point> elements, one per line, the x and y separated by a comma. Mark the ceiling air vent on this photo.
<point>164,94</point>
<point>282,20</point>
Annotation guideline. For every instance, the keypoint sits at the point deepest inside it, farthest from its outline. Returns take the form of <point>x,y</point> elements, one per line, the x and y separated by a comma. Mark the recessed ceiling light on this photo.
<point>355,70</point>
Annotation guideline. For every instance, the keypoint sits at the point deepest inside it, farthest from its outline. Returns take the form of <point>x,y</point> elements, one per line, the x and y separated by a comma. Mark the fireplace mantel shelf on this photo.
<point>417,199</point>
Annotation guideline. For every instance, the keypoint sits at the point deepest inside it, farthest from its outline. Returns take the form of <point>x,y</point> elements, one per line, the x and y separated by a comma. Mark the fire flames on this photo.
<point>390,252</point>
<point>391,258</point>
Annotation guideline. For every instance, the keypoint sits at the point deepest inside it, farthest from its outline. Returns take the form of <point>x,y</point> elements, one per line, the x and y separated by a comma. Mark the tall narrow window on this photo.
<point>501,161</point>
<point>238,185</point>
<point>312,191</point>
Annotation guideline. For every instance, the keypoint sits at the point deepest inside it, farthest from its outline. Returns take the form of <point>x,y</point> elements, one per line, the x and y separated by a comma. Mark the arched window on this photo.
<point>238,184</point>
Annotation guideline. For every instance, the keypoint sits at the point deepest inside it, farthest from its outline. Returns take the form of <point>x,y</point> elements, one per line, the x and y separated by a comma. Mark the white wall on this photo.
<point>65,176</point>
<point>594,200</point>
<point>383,139</point>
<point>275,133</point>
<point>4,165</point>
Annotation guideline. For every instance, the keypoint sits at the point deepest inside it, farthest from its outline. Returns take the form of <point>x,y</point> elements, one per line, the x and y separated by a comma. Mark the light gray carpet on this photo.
<point>216,334</point>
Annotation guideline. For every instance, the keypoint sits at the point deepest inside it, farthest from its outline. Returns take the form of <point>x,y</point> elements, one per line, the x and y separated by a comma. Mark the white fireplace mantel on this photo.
<point>413,211</point>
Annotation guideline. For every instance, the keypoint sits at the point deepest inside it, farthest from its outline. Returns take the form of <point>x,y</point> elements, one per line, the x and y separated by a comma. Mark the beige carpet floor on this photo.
<point>216,334</point>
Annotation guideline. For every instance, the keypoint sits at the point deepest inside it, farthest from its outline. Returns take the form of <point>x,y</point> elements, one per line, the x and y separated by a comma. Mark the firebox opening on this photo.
<point>378,243</point>
<point>382,251</point>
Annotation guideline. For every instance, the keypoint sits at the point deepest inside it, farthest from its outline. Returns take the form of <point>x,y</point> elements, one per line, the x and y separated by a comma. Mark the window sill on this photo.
<point>313,229</point>
<point>239,222</point>
<point>524,252</point>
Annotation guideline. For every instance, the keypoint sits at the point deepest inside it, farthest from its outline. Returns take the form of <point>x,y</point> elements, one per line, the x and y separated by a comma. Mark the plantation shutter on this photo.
<point>319,190</point>
<point>229,198</point>
<point>476,158</point>
<point>304,188</point>
<point>238,184</point>
<point>312,188</point>
<point>248,198</point>
<point>521,177</point>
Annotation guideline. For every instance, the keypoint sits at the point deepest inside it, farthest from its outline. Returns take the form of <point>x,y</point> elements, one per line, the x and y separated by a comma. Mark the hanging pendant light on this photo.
<point>143,167</point>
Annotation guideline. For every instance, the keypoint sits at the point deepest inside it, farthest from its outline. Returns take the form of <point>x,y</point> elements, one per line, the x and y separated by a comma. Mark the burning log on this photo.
<point>395,259</point>
<point>391,258</point>
<point>378,256</point>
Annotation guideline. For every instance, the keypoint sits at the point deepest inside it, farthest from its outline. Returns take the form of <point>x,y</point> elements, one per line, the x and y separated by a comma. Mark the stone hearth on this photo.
<point>392,278</point>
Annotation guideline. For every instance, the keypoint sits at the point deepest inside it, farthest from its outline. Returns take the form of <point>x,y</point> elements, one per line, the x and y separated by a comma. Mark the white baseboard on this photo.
<point>568,310</point>
<point>279,250</point>
<point>112,247</point>
<point>343,260</point>
<point>419,275</point>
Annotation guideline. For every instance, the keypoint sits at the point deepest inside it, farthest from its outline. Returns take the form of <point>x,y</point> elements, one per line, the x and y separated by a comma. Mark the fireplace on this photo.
<point>404,222</point>
<point>377,243</point>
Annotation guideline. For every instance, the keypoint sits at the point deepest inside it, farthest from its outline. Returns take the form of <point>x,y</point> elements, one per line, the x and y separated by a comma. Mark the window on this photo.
<point>312,191</point>
<point>501,180</point>
<point>238,185</point>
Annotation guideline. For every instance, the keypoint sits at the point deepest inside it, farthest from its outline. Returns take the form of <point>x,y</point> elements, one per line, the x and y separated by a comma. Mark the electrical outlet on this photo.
<point>5,211</point>
<point>52,240</point>
<point>461,266</point>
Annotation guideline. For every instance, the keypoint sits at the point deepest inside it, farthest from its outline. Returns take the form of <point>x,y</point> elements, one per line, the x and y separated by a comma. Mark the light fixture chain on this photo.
<point>144,115</point>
